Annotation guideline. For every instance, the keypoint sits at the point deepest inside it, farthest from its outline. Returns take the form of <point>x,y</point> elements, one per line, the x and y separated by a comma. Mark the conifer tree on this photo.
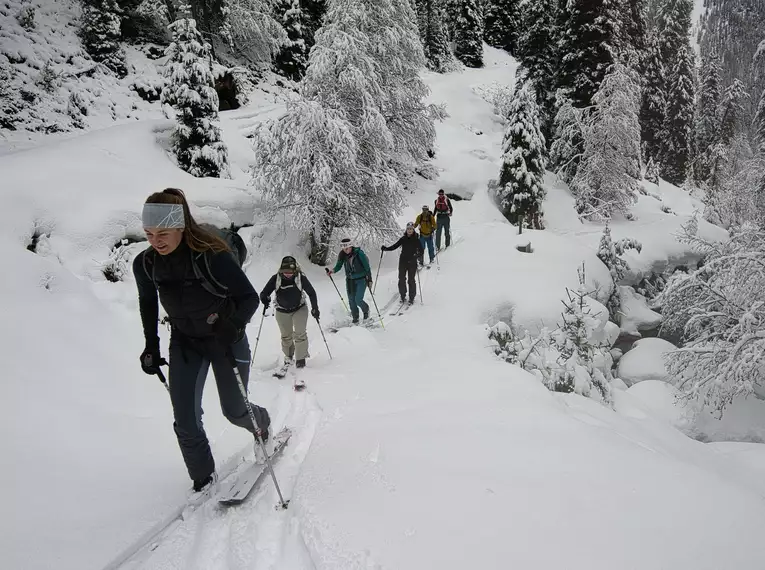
<point>707,131</point>
<point>538,52</point>
<point>468,34</point>
<point>608,174</point>
<point>589,46</point>
<point>673,28</point>
<point>653,105</point>
<point>633,33</point>
<point>521,192</point>
<point>435,43</point>
<point>293,56</point>
<point>190,90</point>
<point>502,24</point>
<point>101,34</point>
<point>732,111</point>
<point>313,12</point>
<point>568,143</point>
<point>759,125</point>
<point>678,123</point>
<point>610,254</point>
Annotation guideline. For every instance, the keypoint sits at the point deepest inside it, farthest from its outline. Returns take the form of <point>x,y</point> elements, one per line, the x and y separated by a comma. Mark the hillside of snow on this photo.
<point>413,446</point>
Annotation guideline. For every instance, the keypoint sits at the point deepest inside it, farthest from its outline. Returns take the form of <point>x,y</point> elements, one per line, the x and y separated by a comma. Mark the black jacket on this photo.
<point>187,303</point>
<point>411,247</point>
<point>289,298</point>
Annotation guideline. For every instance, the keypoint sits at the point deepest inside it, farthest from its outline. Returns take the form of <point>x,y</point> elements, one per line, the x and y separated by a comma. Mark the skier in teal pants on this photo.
<point>358,275</point>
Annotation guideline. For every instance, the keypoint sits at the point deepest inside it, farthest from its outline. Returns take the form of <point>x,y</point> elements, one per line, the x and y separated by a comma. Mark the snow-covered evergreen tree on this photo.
<point>101,34</point>
<point>759,124</point>
<point>521,192</point>
<point>435,43</point>
<point>468,34</point>
<point>720,309</point>
<point>732,111</point>
<point>608,174</point>
<point>707,131</point>
<point>653,105</point>
<point>335,159</point>
<point>190,90</point>
<point>249,29</point>
<point>539,55</point>
<point>678,122</point>
<point>610,254</point>
<point>589,47</point>
<point>568,142</point>
<point>633,33</point>
<point>673,28</point>
<point>293,56</point>
<point>652,171</point>
<point>313,12</point>
<point>502,22</point>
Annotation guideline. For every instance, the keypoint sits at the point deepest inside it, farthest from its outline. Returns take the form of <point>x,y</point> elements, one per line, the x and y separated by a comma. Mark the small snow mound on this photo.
<point>645,361</point>
<point>659,400</point>
<point>637,316</point>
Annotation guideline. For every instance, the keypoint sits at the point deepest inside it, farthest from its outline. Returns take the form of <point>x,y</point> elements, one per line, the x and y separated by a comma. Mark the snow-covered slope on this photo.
<point>414,446</point>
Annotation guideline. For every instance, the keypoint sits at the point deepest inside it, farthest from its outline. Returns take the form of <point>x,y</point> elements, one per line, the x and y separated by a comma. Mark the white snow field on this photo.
<point>414,447</point>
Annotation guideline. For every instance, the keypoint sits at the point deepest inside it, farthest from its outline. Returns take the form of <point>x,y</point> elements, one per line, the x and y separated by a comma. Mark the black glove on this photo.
<point>369,280</point>
<point>266,302</point>
<point>315,313</point>
<point>383,248</point>
<point>151,360</point>
<point>226,332</point>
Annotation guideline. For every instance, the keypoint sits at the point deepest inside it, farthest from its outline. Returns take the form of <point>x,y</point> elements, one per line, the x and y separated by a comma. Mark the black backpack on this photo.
<point>201,261</point>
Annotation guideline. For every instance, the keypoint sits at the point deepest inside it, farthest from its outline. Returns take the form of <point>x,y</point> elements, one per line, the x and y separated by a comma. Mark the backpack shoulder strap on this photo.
<point>205,275</point>
<point>148,260</point>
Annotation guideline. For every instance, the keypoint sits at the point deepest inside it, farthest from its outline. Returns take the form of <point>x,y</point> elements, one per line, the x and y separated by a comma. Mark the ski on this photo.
<point>281,372</point>
<point>398,310</point>
<point>244,482</point>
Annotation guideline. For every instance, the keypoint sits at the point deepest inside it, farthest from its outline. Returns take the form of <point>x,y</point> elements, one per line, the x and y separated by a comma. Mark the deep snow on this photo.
<point>414,446</point>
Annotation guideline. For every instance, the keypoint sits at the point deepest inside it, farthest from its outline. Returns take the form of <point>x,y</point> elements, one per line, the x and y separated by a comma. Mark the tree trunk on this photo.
<point>320,247</point>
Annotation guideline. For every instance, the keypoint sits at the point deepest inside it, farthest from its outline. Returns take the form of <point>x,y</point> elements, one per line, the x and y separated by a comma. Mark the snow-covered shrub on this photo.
<point>499,95</point>
<point>251,30</point>
<point>720,309</point>
<point>26,17</point>
<point>608,174</point>
<point>191,92</point>
<point>117,267</point>
<point>652,171</point>
<point>48,80</point>
<point>77,109</point>
<point>521,192</point>
<point>101,34</point>
<point>148,88</point>
<point>652,286</point>
<point>575,357</point>
<point>610,254</point>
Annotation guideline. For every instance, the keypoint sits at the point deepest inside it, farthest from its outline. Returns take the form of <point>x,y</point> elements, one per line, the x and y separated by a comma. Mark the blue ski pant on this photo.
<point>356,289</point>
<point>190,360</point>
<point>427,240</point>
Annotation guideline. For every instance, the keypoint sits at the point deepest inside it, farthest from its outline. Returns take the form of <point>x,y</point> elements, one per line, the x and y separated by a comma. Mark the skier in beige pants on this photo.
<point>291,287</point>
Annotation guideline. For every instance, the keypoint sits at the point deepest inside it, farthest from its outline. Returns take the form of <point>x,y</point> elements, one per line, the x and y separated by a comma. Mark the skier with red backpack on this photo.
<point>444,210</point>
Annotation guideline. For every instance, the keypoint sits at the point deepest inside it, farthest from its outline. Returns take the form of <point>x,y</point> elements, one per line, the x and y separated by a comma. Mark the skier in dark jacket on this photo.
<point>411,251</point>
<point>207,326</point>
<point>291,286</point>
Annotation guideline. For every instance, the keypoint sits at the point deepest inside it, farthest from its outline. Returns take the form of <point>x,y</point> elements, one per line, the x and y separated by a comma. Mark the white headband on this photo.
<point>163,216</point>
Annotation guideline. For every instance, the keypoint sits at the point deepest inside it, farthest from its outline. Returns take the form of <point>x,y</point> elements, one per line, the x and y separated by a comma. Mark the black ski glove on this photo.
<point>266,302</point>
<point>383,248</point>
<point>369,280</point>
<point>226,332</point>
<point>315,313</point>
<point>151,360</point>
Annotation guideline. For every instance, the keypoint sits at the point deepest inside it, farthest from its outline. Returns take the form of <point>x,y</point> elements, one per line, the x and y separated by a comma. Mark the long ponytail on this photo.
<point>196,237</point>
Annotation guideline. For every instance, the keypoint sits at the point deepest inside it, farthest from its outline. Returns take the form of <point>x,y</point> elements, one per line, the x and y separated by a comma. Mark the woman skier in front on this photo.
<point>207,327</point>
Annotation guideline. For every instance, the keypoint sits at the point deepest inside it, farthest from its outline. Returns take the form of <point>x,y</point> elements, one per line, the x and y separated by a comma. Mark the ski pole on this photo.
<point>324,337</point>
<point>257,340</point>
<point>376,309</point>
<point>243,390</point>
<point>163,379</point>
<point>336,289</point>
<point>420,284</point>
<point>374,287</point>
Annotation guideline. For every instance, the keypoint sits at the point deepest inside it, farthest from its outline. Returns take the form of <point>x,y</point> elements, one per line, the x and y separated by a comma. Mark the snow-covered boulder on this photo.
<point>659,400</point>
<point>645,361</point>
<point>636,315</point>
